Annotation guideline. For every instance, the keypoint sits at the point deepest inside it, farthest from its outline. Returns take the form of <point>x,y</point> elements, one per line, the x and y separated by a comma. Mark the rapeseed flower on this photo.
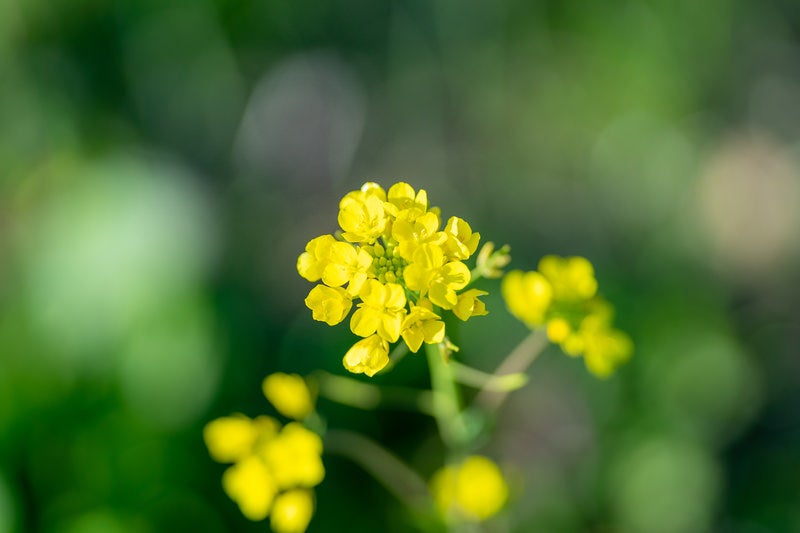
<point>393,255</point>
<point>472,490</point>
<point>274,468</point>
<point>562,298</point>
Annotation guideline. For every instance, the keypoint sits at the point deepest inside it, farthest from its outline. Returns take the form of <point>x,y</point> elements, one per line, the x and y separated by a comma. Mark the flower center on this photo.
<point>387,263</point>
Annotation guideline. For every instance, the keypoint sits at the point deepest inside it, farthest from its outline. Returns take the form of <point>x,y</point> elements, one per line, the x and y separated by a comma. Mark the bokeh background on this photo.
<point>162,164</point>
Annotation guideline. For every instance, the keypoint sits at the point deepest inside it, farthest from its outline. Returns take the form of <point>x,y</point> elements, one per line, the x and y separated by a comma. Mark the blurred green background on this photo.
<point>162,164</point>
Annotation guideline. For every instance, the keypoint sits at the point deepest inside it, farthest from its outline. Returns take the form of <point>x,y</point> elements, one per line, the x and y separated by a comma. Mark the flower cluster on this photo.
<point>393,256</point>
<point>274,468</point>
<point>472,490</point>
<point>562,295</point>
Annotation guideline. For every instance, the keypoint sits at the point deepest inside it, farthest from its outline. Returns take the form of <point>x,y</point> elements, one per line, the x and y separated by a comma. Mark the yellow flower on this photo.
<point>382,311</point>
<point>292,511</point>
<point>468,304</point>
<point>527,296</point>
<point>563,295</point>
<point>289,394</point>
<point>232,438</point>
<point>558,330</point>
<point>411,230</point>
<point>294,458</point>
<point>311,263</point>
<point>347,264</point>
<point>461,241</point>
<point>328,304</point>
<point>250,484</point>
<point>367,356</point>
<point>394,258</point>
<point>572,278</point>
<point>362,219</point>
<point>268,460</point>
<point>402,196</point>
<point>431,273</point>
<point>422,325</point>
<point>604,348</point>
<point>473,490</point>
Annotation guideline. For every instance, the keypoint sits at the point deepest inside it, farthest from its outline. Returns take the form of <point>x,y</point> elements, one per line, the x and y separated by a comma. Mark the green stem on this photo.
<point>391,472</point>
<point>519,360</point>
<point>472,377</point>
<point>446,400</point>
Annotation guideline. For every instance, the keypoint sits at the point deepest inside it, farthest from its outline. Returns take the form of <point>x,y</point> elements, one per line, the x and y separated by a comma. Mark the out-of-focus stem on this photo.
<point>519,360</point>
<point>354,393</point>
<point>391,472</point>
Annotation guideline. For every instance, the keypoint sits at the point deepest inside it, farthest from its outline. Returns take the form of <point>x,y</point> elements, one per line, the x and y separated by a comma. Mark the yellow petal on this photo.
<point>250,484</point>
<point>292,511</point>
<point>367,356</point>
<point>230,438</point>
<point>289,394</point>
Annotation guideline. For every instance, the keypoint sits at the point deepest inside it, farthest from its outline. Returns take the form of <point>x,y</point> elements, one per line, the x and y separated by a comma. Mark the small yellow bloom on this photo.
<point>347,264</point>
<point>558,330</point>
<point>292,511</point>
<point>250,484</point>
<point>311,263</point>
<point>328,304</point>
<point>604,348</point>
<point>473,490</point>
<point>468,304</point>
<point>402,196</point>
<point>289,394</point>
<point>572,278</point>
<point>362,219</point>
<point>367,356</point>
<point>422,325</point>
<point>293,457</point>
<point>461,241</point>
<point>430,272</point>
<point>411,230</point>
<point>527,296</point>
<point>232,438</point>
<point>382,311</point>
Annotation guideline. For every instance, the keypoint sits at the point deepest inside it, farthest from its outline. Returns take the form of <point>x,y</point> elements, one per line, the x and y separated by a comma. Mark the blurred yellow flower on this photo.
<point>393,255</point>
<point>562,296</point>
<point>251,485</point>
<point>270,464</point>
<point>232,438</point>
<point>292,511</point>
<point>527,296</point>
<point>289,394</point>
<point>472,490</point>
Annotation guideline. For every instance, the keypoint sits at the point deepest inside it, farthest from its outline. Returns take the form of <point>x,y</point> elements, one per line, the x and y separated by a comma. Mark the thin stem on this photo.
<point>472,377</point>
<point>354,393</point>
<point>446,400</point>
<point>391,472</point>
<point>397,355</point>
<point>519,360</point>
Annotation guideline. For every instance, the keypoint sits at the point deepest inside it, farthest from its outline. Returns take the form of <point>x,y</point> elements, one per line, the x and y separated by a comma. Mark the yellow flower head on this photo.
<point>393,255</point>
<point>562,296</point>
<point>473,490</point>
<point>273,467</point>
<point>290,395</point>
